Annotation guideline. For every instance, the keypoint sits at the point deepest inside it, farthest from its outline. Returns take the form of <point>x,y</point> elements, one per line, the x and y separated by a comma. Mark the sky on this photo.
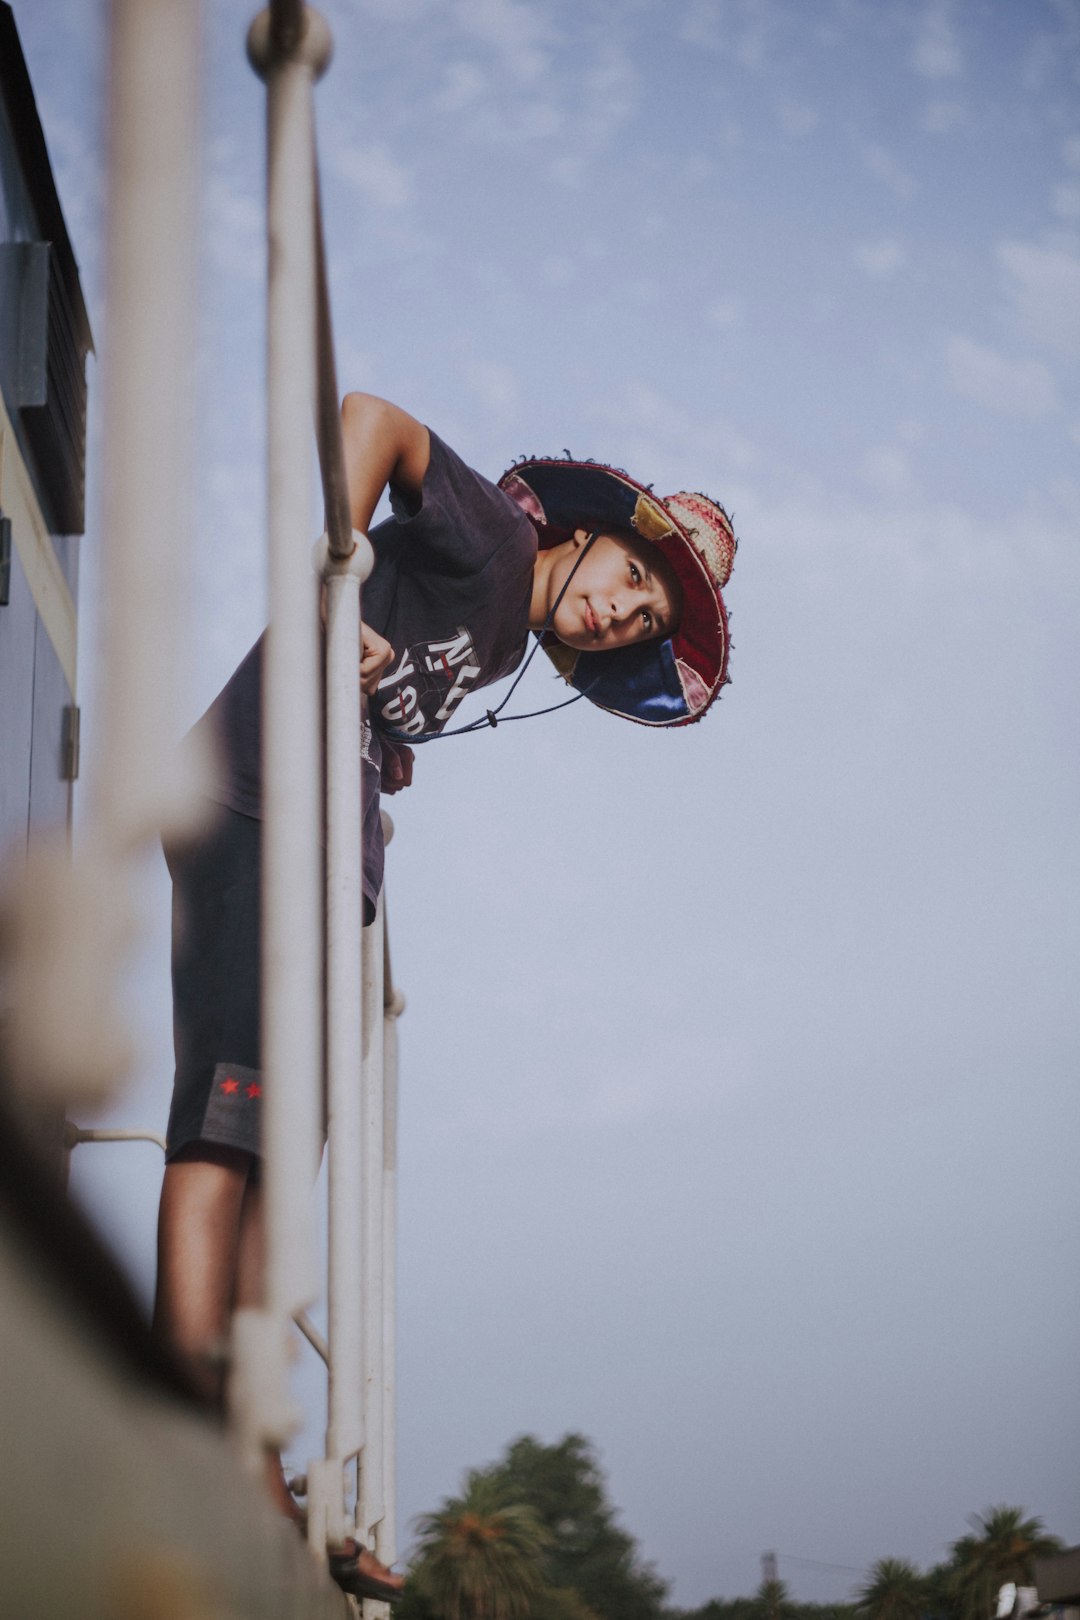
<point>739,1114</point>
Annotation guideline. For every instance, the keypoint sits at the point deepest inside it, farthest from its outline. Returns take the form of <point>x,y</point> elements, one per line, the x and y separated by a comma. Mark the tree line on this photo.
<point>533,1537</point>
<point>1002,1547</point>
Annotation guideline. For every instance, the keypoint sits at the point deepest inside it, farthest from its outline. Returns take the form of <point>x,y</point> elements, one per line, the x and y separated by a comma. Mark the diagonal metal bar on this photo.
<point>327,411</point>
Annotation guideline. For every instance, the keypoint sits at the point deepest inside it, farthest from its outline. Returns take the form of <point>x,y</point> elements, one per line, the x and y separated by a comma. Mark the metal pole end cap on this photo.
<point>312,47</point>
<point>360,561</point>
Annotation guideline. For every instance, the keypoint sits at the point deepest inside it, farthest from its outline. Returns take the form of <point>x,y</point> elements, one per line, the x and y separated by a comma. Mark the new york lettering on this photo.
<point>450,663</point>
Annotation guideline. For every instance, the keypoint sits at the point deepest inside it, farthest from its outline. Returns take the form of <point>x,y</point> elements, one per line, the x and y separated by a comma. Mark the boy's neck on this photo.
<point>538,602</point>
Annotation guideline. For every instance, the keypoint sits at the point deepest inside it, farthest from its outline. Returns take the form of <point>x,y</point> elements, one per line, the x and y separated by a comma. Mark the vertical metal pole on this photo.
<point>370,1505</point>
<point>345,559</point>
<point>386,1535</point>
<point>149,407</point>
<point>344,900</point>
<point>292,943</point>
<point>70,926</point>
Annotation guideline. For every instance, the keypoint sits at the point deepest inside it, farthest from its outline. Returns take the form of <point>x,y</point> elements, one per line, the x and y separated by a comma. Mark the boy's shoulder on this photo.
<point>461,514</point>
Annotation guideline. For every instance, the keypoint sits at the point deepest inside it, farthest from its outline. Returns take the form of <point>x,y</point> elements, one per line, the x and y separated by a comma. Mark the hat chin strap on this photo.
<point>550,620</point>
<point>491,716</point>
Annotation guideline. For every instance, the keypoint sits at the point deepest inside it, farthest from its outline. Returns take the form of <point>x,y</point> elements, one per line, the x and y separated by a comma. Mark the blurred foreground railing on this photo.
<point>359,1352</point>
<point>76,937</point>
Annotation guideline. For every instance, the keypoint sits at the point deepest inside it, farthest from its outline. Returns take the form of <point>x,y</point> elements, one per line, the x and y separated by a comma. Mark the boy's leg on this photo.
<point>212,1121</point>
<point>250,1276</point>
<point>211,1256</point>
<point>354,1560</point>
<point>251,1254</point>
<point>199,1227</point>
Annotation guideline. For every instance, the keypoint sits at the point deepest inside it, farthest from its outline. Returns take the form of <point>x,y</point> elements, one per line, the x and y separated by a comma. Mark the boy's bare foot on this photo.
<point>369,1566</point>
<point>355,1568</point>
<point>358,1571</point>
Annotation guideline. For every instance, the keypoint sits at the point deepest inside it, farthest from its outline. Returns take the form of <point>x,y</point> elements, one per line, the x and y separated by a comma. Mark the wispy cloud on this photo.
<point>557,270</point>
<point>725,312</point>
<point>1065,200</point>
<point>520,35</point>
<point>234,223</point>
<point>886,468</point>
<point>936,53</point>
<point>81,186</point>
<point>677,447</point>
<point>879,259</point>
<point>1052,46</point>
<point>376,173</point>
<point>411,11</point>
<point>1005,387</point>
<point>494,384</point>
<point>463,84</point>
<point>611,90</point>
<point>879,162</point>
<point>702,26</point>
<point>942,115</point>
<point>744,30</point>
<point>1044,283</point>
<point>797,118</point>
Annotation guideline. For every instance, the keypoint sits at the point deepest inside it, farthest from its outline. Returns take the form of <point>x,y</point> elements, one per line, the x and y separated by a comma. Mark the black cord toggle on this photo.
<point>492,715</point>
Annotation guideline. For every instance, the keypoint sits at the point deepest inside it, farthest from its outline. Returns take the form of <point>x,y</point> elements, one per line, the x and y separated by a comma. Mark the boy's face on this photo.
<point>624,591</point>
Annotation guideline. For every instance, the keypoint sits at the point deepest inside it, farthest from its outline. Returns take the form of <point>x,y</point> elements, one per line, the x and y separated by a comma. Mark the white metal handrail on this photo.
<point>290,46</point>
<point>393,1006</point>
<point>74,1134</point>
<point>289,59</point>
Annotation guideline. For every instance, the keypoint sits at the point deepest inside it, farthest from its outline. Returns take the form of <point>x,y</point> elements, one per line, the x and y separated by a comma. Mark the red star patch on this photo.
<point>254,1089</point>
<point>229,1086</point>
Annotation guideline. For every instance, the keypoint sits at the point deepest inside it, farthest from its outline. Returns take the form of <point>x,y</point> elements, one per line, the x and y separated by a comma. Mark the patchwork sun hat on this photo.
<point>656,683</point>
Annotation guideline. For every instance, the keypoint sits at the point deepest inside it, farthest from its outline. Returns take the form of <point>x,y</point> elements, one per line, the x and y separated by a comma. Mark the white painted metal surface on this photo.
<point>394,1006</point>
<point>72,926</point>
<point>74,1134</point>
<point>371,1484</point>
<point>344,912</point>
<point>292,944</point>
<point>357,1342</point>
<point>149,407</point>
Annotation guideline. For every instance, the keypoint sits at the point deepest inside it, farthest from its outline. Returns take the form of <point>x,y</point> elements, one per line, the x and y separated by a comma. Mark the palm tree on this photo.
<point>480,1557</point>
<point>772,1601</point>
<point>895,1591</point>
<point>1004,1548</point>
<point>942,1600</point>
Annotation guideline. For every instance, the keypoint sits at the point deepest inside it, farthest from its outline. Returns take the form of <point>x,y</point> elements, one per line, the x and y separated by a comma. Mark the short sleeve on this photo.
<point>462,518</point>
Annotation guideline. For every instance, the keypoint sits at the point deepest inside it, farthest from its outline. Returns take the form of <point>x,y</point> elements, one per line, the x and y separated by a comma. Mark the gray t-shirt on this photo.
<point>450,591</point>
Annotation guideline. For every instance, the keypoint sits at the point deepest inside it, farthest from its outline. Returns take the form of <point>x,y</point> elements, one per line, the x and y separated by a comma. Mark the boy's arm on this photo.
<point>383,445</point>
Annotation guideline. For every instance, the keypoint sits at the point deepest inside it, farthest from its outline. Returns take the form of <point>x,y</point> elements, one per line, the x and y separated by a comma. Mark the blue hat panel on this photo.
<point>573,492</point>
<point>640,682</point>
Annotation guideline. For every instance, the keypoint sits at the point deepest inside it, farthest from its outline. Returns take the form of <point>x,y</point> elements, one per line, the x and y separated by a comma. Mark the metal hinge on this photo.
<point>69,745</point>
<point>5,560</point>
